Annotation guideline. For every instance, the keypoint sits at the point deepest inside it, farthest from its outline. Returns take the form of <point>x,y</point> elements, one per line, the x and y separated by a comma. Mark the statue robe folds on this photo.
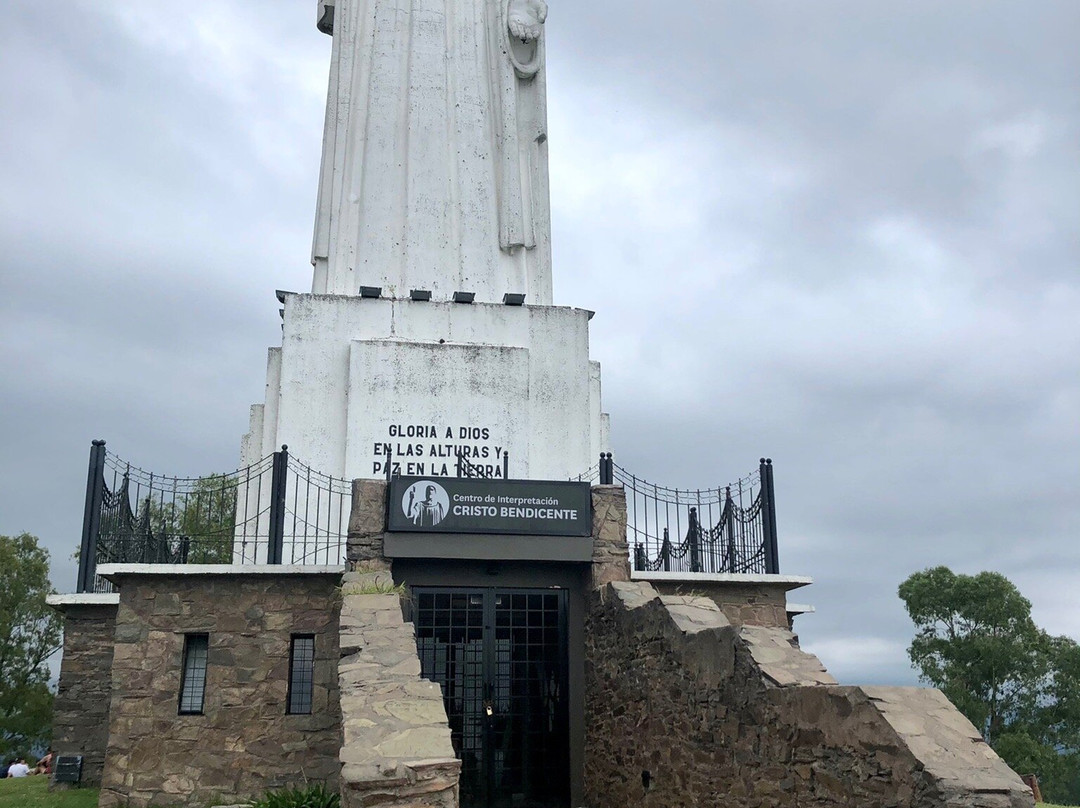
<point>434,167</point>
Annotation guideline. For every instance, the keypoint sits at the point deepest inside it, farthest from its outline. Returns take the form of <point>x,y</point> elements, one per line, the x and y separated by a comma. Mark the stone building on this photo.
<point>664,689</point>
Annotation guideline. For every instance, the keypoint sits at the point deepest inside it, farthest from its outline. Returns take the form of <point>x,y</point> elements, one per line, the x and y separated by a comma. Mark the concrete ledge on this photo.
<point>84,599</point>
<point>111,571</point>
<point>801,608</point>
<point>786,582</point>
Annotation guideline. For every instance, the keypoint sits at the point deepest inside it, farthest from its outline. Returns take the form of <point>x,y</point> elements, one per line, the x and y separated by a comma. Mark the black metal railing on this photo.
<point>731,528</point>
<point>280,511</point>
<point>275,511</point>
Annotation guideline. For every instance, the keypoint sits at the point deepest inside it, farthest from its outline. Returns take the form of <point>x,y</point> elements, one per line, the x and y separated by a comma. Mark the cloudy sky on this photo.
<point>840,234</point>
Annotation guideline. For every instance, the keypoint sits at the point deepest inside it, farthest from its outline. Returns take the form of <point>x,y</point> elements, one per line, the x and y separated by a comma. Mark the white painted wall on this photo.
<point>352,371</point>
<point>251,444</point>
<point>421,402</point>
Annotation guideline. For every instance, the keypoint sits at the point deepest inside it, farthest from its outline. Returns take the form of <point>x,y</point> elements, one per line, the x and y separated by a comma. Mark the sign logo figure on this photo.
<point>425,503</point>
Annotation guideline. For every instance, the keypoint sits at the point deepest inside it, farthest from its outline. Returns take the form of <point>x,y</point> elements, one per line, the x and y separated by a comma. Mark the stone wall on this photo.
<point>244,742</point>
<point>684,709</point>
<point>396,746</point>
<point>367,523</point>
<point>610,556</point>
<point>749,604</point>
<point>81,708</point>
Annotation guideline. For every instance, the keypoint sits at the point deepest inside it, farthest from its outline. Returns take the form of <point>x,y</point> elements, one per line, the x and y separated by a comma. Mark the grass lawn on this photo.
<point>33,792</point>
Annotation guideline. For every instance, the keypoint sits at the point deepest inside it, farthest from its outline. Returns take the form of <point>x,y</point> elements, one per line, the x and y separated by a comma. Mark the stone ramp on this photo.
<point>686,710</point>
<point>396,750</point>
<point>952,752</point>
<point>779,658</point>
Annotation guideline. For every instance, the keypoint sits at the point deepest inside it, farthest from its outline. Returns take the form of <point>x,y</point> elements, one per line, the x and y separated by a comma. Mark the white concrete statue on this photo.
<point>434,168</point>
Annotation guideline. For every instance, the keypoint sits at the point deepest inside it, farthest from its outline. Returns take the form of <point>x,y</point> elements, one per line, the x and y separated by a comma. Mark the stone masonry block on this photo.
<point>611,556</point>
<point>368,515</point>
<point>84,693</point>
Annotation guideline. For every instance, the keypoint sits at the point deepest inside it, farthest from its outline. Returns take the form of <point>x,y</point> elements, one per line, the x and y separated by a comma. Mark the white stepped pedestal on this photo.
<point>358,381</point>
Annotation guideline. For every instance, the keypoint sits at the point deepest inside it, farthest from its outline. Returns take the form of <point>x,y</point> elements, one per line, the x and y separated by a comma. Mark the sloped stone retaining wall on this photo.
<point>686,710</point>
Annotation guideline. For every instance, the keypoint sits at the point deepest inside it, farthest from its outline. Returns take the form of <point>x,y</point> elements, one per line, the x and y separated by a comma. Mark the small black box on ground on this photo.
<point>68,769</point>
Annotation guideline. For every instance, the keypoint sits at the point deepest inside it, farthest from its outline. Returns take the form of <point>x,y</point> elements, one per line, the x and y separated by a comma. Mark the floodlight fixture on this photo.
<point>513,299</point>
<point>420,294</point>
<point>371,291</point>
<point>464,297</point>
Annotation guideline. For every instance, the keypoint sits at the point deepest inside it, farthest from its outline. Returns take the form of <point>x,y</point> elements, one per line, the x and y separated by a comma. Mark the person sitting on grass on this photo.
<point>18,768</point>
<point>44,766</point>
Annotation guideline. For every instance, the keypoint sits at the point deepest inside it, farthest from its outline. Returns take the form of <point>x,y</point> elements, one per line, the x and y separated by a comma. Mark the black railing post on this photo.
<point>95,490</point>
<point>640,560</point>
<point>276,544</point>
<point>607,473</point>
<point>772,520</point>
<point>768,517</point>
<point>124,539</point>
<point>729,515</point>
<point>766,527</point>
<point>693,535</point>
<point>506,465</point>
<point>665,551</point>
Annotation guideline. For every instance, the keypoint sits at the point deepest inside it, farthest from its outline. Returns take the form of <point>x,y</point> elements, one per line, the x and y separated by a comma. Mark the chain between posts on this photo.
<point>728,529</point>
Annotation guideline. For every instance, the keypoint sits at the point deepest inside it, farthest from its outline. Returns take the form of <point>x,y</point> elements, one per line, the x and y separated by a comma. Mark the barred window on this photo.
<point>301,673</point>
<point>193,682</point>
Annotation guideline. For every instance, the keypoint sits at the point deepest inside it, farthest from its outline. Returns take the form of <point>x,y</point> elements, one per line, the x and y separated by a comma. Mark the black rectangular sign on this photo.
<point>67,768</point>
<point>520,507</point>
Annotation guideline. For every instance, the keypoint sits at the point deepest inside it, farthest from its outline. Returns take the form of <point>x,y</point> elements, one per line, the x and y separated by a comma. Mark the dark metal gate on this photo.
<point>500,656</point>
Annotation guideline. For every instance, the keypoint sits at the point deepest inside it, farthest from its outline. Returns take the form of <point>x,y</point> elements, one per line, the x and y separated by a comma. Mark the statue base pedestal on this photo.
<point>360,383</point>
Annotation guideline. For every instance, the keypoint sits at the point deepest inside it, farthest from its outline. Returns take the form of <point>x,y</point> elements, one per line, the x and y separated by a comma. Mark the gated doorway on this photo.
<point>500,656</point>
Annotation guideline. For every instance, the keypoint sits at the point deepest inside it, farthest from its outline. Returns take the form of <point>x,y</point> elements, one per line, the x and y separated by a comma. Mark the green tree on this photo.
<point>204,520</point>
<point>195,525</point>
<point>29,635</point>
<point>975,641</point>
